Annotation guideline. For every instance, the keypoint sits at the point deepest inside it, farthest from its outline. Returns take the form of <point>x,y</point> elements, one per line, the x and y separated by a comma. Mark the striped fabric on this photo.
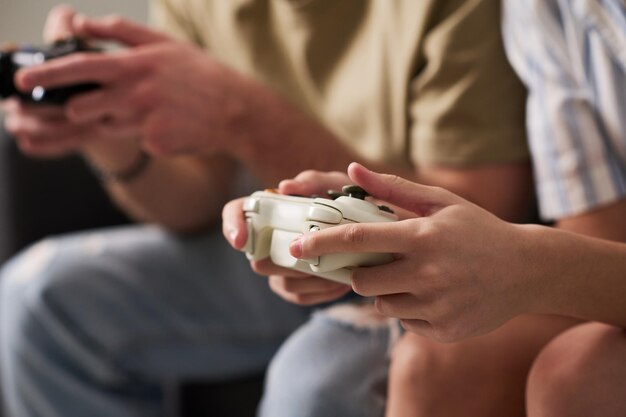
<point>571,54</point>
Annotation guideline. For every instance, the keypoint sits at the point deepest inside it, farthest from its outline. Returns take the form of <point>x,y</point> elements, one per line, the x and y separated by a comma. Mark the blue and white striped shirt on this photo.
<point>571,54</point>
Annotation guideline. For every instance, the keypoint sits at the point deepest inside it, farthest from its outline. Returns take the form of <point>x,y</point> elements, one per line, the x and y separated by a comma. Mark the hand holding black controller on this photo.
<point>12,59</point>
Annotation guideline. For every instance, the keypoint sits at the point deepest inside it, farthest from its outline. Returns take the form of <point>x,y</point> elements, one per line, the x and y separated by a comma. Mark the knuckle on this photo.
<point>381,306</point>
<point>430,273</point>
<point>302,299</point>
<point>428,231</point>
<point>354,233</point>
<point>154,130</point>
<point>273,281</point>
<point>308,175</point>
<point>114,21</point>
<point>447,328</point>
<point>385,307</point>
<point>412,326</point>
<point>445,333</point>
<point>143,96</point>
<point>360,288</point>
<point>289,285</point>
<point>258,268</point>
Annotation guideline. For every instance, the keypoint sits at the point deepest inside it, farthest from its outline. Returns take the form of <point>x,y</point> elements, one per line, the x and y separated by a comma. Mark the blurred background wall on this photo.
<point>23,20</point>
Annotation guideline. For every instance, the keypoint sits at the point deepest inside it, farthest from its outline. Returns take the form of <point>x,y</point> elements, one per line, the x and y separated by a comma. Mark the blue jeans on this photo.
<point>334,365</point>
<point>102,323</point>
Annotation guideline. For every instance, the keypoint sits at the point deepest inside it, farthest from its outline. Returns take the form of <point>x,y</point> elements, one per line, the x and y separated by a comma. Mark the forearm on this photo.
<point>576,276</point>
<point>184,194</point>
<point>277,140</point>
<point>290,141</point>
<point>505,189</point>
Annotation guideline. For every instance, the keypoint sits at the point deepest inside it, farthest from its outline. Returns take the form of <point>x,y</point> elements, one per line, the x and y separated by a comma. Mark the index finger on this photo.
<point>73,69</point>
<point>312,182</point>
<point>59,24</point>
<point>393,237</point>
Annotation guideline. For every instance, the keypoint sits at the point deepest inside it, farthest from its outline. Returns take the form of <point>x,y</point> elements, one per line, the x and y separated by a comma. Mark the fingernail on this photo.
<point>232,235</point>
<point>295,247</point>
<point>24,80</point>
<point>82,22</point>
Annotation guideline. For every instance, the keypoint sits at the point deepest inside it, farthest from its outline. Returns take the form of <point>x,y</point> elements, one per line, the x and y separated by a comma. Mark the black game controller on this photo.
<point>14,58</point>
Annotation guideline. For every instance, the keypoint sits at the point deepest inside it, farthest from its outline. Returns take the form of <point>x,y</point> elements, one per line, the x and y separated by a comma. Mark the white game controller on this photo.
<point>275,220</point>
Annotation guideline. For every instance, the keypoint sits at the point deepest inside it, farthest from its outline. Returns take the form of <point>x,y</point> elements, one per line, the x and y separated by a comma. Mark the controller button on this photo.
<point>252,204</point>
<point>314,228</point>
<point>386,209</point>
<point>323,214</point>
<point>355,191</point>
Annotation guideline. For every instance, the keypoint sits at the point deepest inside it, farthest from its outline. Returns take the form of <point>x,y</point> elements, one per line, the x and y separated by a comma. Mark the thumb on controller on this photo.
<point>59,24</point>
<point>118,29</point>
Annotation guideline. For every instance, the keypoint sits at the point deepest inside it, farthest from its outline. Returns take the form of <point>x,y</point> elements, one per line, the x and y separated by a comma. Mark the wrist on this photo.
<point>116,161</point>
<point>545,265</point>
<point>530,267</point>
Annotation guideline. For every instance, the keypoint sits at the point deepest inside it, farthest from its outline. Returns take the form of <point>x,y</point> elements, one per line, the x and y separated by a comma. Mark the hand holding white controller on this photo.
<point>275,220</point>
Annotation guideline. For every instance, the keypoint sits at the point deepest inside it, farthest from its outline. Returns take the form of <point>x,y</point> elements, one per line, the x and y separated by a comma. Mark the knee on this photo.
<point>33,287</point>
<point>412,360</point>
<point>21,279</point>
<point>420,362</point>
<point>328,368</point>
<point>576,372</point>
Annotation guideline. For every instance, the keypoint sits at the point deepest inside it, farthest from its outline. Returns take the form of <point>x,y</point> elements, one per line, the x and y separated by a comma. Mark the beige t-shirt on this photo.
<point>403,82</point>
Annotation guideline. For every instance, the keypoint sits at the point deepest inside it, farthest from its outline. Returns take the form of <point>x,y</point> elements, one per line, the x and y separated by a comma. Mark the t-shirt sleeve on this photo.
<point>466,103</point>
<point>171,17</point>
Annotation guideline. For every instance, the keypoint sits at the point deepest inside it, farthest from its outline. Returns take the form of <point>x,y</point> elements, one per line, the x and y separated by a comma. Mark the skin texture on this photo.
<point>492,368</point>
<point>198,127</point>
<point>520,269</point>
<point>499,271</point>
<point>488,282</point>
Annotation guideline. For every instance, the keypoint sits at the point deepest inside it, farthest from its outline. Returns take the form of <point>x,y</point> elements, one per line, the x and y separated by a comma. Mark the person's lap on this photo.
<point>335,364</point>
<point>101,320</point>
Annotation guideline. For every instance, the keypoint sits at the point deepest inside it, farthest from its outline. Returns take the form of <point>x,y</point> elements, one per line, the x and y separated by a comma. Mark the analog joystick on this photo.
<point>355,191</point>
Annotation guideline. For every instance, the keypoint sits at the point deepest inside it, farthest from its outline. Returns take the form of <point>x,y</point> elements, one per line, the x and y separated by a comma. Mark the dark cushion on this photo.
<point>42,197</point>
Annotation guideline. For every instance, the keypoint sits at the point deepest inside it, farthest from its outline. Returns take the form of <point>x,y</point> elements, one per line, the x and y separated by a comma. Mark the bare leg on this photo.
<point>484,376</point>
<point>580,373</point>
